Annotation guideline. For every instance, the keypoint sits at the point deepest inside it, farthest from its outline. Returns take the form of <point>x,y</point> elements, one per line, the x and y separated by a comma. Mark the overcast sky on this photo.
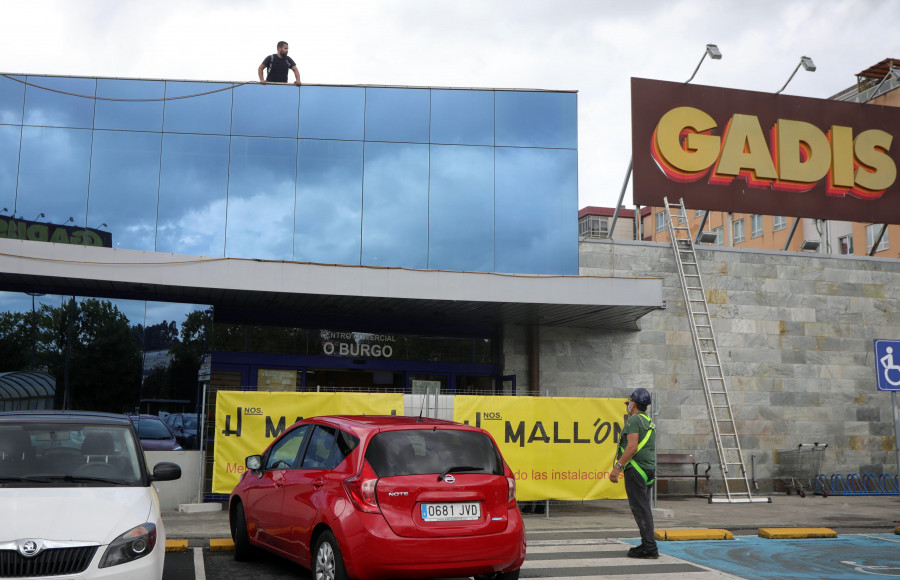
<point>592,46</point>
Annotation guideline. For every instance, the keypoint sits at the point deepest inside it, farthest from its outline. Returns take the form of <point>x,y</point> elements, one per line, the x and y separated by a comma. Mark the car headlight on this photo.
<point>133,544</point>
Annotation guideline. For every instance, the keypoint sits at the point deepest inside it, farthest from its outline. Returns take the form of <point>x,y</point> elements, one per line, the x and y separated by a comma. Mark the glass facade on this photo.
<point>475,180</point>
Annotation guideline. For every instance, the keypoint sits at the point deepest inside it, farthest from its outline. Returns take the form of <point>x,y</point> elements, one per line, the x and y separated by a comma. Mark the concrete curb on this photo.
<point>176,545</point>
<point>221,545</point>
<point>794,533</point>
<point>699,534</point>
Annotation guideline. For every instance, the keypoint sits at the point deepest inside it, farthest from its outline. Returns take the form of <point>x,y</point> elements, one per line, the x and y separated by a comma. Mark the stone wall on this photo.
<point>795,334</point>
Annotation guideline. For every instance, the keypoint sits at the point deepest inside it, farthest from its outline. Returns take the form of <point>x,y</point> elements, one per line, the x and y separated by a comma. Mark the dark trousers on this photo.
<point>638,493</point>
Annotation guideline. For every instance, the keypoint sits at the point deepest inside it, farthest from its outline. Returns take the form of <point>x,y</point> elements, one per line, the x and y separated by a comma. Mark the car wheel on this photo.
<point>243,550</point>
<point>328,564</point>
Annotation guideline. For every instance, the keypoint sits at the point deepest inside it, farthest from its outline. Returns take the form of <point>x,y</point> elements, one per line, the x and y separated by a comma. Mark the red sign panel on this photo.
<point>749,152</point>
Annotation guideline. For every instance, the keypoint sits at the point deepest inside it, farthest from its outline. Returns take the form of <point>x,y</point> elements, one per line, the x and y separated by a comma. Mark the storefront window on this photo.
<point>395,205</point>
<point>130,115</point>
<point>124,187</point>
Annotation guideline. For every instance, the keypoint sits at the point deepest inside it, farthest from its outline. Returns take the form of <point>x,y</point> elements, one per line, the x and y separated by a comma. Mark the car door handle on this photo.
<point>279,483</point>
<point>318,483</point>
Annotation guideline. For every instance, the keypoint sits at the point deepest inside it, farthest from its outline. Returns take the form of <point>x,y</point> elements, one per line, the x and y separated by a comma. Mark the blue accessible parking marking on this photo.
<point>851,556</point>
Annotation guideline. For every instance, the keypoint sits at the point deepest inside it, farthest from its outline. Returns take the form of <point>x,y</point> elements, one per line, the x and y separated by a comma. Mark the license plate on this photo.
<point>450,512</point>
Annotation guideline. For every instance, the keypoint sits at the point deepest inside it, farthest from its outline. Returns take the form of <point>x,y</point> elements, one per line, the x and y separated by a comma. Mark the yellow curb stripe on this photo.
<point>221,545</point>
<point>704,534</point>
<point>793,533</point>
<point>176,545</point>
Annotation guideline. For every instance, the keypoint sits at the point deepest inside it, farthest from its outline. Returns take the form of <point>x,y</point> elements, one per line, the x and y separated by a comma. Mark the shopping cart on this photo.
<point>799,467</point>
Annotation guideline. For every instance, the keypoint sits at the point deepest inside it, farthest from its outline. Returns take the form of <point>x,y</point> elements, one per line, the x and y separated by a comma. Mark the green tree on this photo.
<point>97,356</point>
<point>187,354</point>
<point>159,336</point>
<point>15,341</point>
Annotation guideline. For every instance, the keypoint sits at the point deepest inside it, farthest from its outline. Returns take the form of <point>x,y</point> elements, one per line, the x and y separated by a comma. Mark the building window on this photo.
<point>780,222</point>
<point>872,232</point>
<point>739,231</point>
<point>593,226</point>
<point>720,239</point>
<point>660,221</point>
<point>846,244</point>
<point>756,227</point>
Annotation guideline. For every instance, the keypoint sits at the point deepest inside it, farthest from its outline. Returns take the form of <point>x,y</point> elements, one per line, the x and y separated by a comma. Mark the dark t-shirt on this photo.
<point>640,424</point>
<point>278,68</point>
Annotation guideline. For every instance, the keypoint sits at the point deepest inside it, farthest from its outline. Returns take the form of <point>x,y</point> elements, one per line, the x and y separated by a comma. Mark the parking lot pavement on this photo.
<point>851,556</point>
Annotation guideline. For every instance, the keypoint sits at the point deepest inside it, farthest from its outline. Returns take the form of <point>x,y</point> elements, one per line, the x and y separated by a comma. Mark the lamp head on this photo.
<point>713,51</point>
<point>808,64</point>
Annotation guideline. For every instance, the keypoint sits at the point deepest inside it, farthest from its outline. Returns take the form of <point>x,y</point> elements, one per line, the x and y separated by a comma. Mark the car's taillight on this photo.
<point>361,489</point>
<point>511,481</point>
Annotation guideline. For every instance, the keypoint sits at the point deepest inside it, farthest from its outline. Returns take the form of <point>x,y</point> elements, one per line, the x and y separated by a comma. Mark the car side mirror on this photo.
<point>253,463</point>
<point>165,471</point>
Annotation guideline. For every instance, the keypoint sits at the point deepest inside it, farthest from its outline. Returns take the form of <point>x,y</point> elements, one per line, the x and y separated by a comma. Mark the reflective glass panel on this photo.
<point>124,187</point>
<point>329,202</point>
<point>462,117</point>
<point>397,115</point>
<point>204,113</point>
<point>56,109</point>
<point>53,175</point>
<point>9,167</point>
<point>136,115</point>
<point>192,195</point>
<point>332,112</point>
<point>536,211</point>
<point>536,119</point>
<point>12,97</point>
<point>261,198</point>
<point>461,208</point>
<point>265,110</point>
<point>395,205</point>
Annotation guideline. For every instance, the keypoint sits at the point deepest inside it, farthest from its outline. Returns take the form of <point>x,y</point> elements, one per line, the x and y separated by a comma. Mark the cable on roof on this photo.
<point>98,98</point>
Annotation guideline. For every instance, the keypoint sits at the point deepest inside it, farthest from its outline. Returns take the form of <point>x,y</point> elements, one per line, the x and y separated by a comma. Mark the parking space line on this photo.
<point>880,538</point>
<point>199,568</point>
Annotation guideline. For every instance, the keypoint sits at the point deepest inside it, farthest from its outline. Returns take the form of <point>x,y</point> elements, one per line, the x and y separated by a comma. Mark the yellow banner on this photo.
<point>248,421</point>
<point>558,448</point>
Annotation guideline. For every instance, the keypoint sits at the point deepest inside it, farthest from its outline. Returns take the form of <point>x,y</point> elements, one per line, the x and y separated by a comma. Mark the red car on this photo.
<point>372,497</point>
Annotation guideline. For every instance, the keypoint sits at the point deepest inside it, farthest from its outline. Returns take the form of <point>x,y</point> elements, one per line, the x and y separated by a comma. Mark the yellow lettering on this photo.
<point>871,151</point>
<point>699,151</point>
<point>745,149</point>
<point>795,137</point>
<point>841,156</point>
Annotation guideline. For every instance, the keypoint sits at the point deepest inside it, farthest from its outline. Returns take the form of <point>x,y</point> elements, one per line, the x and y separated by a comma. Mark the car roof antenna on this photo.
<point>422,408</point>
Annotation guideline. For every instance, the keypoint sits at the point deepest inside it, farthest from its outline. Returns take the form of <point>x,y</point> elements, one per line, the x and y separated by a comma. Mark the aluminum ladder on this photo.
<point>721,414</point>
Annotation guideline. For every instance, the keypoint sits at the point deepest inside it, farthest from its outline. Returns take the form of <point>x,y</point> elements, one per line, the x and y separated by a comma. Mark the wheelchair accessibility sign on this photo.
<point>887,364</point>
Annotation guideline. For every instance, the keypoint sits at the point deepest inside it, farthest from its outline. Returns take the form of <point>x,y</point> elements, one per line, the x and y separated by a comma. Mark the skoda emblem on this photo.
<point>29,548</point>
<point>449,478</point>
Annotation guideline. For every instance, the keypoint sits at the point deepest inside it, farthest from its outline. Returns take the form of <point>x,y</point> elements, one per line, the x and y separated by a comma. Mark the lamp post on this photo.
<point>806,63</point>
<point>33,326</point>
<point>713,52</point>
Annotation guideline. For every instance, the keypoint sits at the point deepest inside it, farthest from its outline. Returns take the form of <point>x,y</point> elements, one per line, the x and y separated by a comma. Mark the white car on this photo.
<point>76,500</point>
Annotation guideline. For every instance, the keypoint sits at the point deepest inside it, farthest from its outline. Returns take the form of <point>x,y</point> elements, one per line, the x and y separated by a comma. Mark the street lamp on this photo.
<point>806,63</point>
<point>33,324</point>
<point>714,53</point>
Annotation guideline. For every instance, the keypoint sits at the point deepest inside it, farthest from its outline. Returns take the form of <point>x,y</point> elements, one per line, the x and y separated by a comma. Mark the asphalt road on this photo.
<point>848,556</point>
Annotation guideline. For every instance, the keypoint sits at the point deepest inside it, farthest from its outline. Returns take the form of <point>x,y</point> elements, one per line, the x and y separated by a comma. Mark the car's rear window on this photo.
<point>421,451</point>
<point>152,429</point>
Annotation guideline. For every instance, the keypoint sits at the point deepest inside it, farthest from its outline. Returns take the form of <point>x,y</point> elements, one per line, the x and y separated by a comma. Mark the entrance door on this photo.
<point>508,385</point>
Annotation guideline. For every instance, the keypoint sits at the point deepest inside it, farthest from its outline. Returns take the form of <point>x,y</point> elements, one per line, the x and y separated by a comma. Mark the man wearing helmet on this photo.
<point>636,463</point>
